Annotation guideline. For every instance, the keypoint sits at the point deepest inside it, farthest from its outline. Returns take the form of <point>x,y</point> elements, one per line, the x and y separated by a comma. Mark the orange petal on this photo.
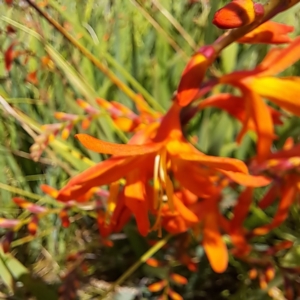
<point>265,130</point>
<point>178,278</point>
<point>187,214</point>
<point>49,190</point>
<point>241,209</point>
<point>269,33</point>
<point>192,77</point>
<point>281,59</point>
<point>283,92</point>
<point>157,286</point>
<point>287,198</point>
<point>135,200</point>
<point>198,183</point>
<point>32,77</point>
<point>224,163</point>
<point>173,295</point>
<point>235,14</point>
<point>213,243</point>
<point>121,214</point>
<point>125,124</point>
<point>99,146</point>
<point>235,106</point>
<point>174,224</point>
<point>246,179</point>
<point>153,262</point>
<point>103,173</point>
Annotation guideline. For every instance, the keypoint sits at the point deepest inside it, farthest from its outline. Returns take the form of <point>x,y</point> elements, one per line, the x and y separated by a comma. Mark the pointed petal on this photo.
<point>235,106</point>
<point>246,179</point>
<point>187,214</point>
<point>157,286</point>
<point>268,33</point>
<point>283,92</point>
<point>192,77</point>
<point>265,130</point>
<point>99,146</point>
<point>135,200</point>
<point>103,173</point>
<point>279,60</point>
<point>213,243</point>
<point>49,190</point>
<point>121,214</point>
<point>224,163</point>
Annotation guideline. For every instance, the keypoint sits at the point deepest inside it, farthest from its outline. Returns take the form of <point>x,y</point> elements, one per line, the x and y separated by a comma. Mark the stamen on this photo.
<point>156,183</point>
<point>168,185</point>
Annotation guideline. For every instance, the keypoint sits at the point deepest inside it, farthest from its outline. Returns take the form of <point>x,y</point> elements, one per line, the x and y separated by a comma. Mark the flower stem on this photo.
<point>136,265</point>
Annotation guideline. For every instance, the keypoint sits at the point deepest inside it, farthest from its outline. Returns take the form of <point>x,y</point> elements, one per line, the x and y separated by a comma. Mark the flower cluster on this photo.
<point>164,181</point>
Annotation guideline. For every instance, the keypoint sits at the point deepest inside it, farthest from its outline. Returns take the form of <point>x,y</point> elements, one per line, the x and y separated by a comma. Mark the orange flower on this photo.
<point>156,155</point>
<point>259,83</point>
<point>268,33</point>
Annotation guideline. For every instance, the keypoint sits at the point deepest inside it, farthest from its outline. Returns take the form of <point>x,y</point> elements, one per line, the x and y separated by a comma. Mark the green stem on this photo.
<point>136,265</point>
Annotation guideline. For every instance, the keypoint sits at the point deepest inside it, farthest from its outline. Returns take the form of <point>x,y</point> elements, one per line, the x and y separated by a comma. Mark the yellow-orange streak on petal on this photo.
<point>283,92</point>
<point>191,79</point>
<point>99,146</point>
<point>235,14</point>
<point>49,190</point>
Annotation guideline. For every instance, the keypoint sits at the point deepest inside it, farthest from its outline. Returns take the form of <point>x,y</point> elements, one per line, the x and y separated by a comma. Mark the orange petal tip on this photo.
<point>268,33</point>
